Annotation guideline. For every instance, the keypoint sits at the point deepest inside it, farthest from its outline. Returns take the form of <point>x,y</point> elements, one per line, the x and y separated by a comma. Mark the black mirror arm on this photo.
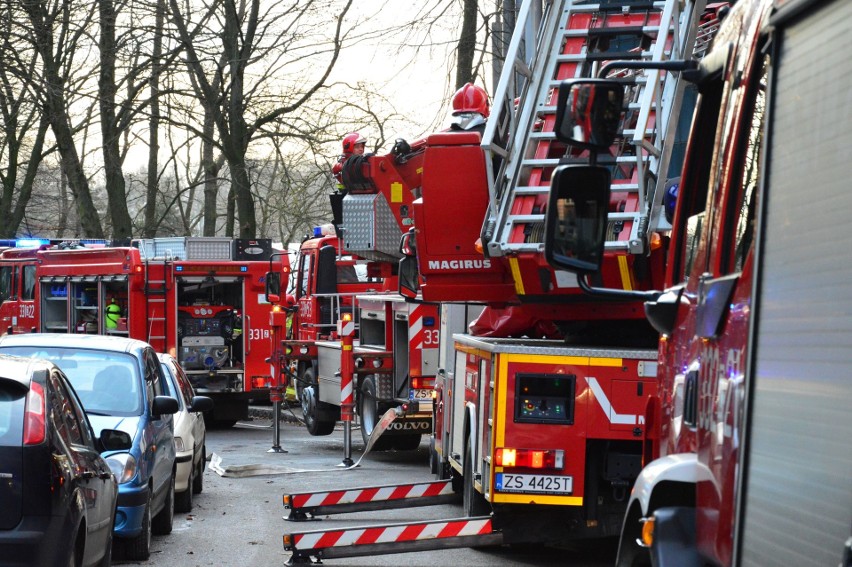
<point>623,294</point>
<point>682,65</point>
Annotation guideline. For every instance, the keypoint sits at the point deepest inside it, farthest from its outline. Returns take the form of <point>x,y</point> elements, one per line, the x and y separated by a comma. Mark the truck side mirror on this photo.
<point>588,112</point>
<point>273,287</point>
<point>326,274</point>
<point>576,218</point>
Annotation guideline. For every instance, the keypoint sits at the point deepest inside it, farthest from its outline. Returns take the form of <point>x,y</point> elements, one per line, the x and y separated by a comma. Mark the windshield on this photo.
<point>107,383</point>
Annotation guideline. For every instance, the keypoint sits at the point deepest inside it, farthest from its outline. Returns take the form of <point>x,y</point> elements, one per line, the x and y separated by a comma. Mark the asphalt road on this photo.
<point>240,520</point>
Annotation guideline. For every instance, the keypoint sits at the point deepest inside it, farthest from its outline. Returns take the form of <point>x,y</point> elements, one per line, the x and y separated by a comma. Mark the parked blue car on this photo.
<point>121,385</point>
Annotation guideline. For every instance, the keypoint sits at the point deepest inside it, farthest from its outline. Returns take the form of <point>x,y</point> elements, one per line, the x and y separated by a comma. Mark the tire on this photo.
<point>198,479</point>
<point>313,409</point>
<point>434,460</point>
<point>183,500</point>
<point>163,522</point>
<point>106,560</point>
<point>474,503</point>
<point>630,554</point>
<point>370,412</point>
<point>139,548</point>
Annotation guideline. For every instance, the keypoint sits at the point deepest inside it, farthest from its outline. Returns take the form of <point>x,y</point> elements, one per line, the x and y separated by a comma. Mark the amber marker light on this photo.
<point>647,531</point>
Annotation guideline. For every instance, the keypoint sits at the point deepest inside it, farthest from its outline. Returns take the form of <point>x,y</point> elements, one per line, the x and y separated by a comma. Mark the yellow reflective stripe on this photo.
<point>626,275</point>
<point>516,275</point>
<point>528,498</point>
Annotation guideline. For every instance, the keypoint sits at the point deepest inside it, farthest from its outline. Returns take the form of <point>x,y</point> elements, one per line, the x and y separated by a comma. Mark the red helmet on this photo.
<point>349,141</point>
<point>470,98</point>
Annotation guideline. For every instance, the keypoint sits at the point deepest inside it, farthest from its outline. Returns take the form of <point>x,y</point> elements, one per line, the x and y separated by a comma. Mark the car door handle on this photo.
<point>88,474</point>
<point>105,475</point>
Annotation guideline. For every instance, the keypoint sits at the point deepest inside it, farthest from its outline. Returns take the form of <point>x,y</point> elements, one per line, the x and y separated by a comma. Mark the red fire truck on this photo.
<point>747,439</point>
<point>200,299</point>
<point>539,415</point>
<point>396,348</point>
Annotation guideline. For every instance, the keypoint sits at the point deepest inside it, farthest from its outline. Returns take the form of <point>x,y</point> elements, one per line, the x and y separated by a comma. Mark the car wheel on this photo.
<point>312,408</point>
<point>106,560</point>
<point>198,480</point>
<point>370,413</point>
<point>183,500</point>
<point>139,548</point>
<point>162,524</point>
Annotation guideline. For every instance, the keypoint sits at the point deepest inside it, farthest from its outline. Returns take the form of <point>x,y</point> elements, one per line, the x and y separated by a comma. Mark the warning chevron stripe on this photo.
<point>371,494</point>
<point>391,534</point>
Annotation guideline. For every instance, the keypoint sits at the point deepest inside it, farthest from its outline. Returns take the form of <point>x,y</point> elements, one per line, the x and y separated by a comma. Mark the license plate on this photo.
<point>544,484</point>
<point>420,395</point>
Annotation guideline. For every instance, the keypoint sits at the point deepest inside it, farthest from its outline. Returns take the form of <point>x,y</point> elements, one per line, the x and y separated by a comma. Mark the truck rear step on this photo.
<point>390,538</point>
<point>368,498</point>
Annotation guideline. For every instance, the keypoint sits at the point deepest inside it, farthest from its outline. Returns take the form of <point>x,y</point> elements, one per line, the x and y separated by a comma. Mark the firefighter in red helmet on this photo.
<point>353,144</point>
<point>470,108</point>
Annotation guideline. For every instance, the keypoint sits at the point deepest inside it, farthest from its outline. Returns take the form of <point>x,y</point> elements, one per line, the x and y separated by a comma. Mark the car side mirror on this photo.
<point>164,405</point>
<point>576,218</point>
<point>114,440</point>
<point>201,404</point>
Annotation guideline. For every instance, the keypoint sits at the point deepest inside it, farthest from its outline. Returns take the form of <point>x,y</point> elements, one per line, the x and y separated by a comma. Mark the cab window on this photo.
<point>28,282</point>
<point>304,275</point>
<point>739,236</point>
<point>5,283</point>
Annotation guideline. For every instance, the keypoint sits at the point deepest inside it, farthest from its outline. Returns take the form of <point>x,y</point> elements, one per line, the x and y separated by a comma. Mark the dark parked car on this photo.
<point>121,385</point>
<point>57,494</point>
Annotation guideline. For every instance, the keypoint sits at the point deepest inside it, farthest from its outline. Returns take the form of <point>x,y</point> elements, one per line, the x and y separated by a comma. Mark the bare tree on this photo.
<point>239,106</point>
<point>47,22</point>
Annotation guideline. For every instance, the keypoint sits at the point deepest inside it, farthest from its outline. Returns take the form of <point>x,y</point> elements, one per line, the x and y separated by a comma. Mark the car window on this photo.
<point>62,414</point>
<point>170,382</point>
<point>154,374</point>
<point>12,399</point>
<point>106,382</point>
<point>75,407</point>
<point>185,386</point>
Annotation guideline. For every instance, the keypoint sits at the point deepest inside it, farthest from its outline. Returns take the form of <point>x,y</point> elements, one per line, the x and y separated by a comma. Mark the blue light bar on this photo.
<point>31,242</point>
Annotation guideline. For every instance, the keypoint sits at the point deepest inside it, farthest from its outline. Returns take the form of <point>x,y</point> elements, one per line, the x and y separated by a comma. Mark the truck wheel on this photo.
<point>370,414</point>
<point>312,408</point>
<point>629,552</point>
<point>474,503</point>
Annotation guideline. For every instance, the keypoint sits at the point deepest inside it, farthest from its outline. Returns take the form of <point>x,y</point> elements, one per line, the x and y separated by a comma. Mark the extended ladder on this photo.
<point>574,40</point>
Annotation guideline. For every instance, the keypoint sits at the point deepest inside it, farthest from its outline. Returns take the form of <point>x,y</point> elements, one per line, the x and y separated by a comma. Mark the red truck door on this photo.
<point>703,356</point>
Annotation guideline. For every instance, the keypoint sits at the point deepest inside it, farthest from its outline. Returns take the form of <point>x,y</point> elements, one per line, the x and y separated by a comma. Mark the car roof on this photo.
<point>20,369</point>
<point>88,342</point>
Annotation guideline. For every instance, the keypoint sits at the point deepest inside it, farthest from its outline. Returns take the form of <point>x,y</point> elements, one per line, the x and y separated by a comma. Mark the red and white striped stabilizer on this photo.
<point>392,538</point>
<point>370,498</point>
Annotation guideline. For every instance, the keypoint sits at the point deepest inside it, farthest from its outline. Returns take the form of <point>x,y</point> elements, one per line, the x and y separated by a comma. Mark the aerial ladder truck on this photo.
<point>541,437</point>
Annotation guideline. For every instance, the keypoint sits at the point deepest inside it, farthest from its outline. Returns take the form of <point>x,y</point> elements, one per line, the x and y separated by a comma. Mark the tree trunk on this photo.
<point>211,172</point>
<point>467,45</point>
<point>152,181</point>
<point>116,194</point>
<point>55,108</point>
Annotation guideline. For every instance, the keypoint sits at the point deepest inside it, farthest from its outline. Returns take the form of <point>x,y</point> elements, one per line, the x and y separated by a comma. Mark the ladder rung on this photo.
<point>532,190</point>
<point>522,219</point>
<point>156,338</point>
